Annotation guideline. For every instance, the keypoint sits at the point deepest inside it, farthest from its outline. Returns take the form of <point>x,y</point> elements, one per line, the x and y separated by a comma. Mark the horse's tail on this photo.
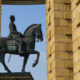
<point>9,58</point>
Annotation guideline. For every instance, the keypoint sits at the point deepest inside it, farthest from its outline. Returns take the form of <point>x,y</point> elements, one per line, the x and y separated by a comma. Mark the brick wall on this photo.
<point>59,40</point>
<point>76,37</point>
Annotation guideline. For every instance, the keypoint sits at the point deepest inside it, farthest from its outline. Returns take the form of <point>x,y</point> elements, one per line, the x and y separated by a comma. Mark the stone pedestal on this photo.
<point>16,76</point>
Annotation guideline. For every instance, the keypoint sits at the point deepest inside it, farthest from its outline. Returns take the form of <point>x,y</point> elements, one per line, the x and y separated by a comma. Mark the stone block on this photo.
<point>78,12</point>
<point>63,63</point>
<point>76,33</point>
<point>60,63</point>
<point>52,57</point>
<point>57,55</point>
<point>63,39</point>
<point>48,66</point>
<point>68,47</point>
<point>53,74</point>
<point>58,14</point>
<point>73,5</point>
<point>63,22</point>
<point>77,67</point>
<point>71,74</point>
<point>74,13</point>
<point>60,78</point>
<point>57,1</point>
<point>60,46</point>
<point>67,15</point>
<point>70,56</point>
<point>69,64</point>
<point>69,7</point>
<point>75,24</point>
<point>63,47</point>
<point>64,55</point>
<point>69,78</point>
<point>76,45</point>
<point>56,6</point>
<point>76,56</point>
<point>52,42</point>
<point>57,22</point>
<point>62,72</point>
<point>52,48</point>
<point>63,30</point>
<point>77,76</point>
<point>66,1</point>
<point>48,5</point>
<point>53,65</point>
<point>48,51</point>
<point>62,7</point>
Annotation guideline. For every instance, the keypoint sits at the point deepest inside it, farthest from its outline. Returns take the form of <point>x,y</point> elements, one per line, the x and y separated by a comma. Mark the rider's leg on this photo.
<point>20,46</point>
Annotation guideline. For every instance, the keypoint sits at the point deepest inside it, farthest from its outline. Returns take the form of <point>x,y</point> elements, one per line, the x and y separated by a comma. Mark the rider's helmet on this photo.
<point>12,18</point>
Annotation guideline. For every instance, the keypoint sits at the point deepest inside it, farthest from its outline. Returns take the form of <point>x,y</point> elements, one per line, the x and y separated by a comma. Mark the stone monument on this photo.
<point>20,44</point>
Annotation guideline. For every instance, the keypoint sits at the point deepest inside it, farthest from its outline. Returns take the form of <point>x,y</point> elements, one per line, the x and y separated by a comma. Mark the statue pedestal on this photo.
<point>16,76</point>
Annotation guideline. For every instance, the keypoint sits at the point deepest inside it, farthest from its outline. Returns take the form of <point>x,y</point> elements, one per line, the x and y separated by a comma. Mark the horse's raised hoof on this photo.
<point>34,64</point>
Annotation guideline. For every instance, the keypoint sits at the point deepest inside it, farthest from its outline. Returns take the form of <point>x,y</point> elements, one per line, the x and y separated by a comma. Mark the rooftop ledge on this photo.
<point>22,2</point>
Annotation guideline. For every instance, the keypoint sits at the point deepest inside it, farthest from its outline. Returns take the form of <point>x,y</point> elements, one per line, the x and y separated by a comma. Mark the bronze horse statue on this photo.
<point>32,34</point>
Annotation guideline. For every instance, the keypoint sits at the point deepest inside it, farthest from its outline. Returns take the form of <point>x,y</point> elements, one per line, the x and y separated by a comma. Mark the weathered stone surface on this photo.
<point>59,40</point>
<point>76,37</point>
<point>16,76</point>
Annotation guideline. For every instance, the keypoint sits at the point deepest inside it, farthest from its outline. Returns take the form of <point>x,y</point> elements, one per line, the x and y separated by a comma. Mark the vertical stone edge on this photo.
<point>76,37</point>
<point>49,35</point>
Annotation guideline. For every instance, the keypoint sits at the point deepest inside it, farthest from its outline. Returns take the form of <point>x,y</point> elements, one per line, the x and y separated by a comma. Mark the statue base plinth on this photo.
<point>16,76</point>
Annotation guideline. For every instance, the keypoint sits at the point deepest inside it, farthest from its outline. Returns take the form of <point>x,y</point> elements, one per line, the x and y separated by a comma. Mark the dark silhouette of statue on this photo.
<point>25,42</point>
<point>14,34</point>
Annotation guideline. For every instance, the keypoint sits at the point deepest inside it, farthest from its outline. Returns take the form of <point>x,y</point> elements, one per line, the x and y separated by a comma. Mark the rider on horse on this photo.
<point>14,34</point>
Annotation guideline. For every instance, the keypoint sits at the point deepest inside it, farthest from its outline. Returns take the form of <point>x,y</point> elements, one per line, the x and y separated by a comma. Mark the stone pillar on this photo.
<point>59,40</point>
<point>76,37</point>
<point>0,16</point>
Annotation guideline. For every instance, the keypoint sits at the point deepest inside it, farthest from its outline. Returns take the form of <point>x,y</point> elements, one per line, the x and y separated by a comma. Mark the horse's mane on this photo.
<point>29,28</point>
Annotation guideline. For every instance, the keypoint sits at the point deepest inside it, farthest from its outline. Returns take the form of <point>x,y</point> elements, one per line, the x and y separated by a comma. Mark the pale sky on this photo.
<point>25,16</point>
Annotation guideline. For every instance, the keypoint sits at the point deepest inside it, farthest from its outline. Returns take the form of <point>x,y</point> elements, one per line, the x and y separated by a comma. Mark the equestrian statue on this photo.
<point>20,44</point>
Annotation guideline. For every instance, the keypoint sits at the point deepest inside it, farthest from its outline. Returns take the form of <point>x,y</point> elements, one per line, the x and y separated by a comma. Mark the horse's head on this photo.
<point>34,31</point>
<point>38,32</point>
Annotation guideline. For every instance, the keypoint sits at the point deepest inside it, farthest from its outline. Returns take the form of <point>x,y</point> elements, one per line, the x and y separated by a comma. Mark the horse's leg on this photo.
<point>37,59</point>
<point>24,63</point>
<point>3,62</point>
<point>6,68</point>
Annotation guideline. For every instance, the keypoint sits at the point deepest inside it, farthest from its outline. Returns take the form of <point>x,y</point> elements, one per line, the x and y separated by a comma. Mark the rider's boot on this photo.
<point>20,48</point>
